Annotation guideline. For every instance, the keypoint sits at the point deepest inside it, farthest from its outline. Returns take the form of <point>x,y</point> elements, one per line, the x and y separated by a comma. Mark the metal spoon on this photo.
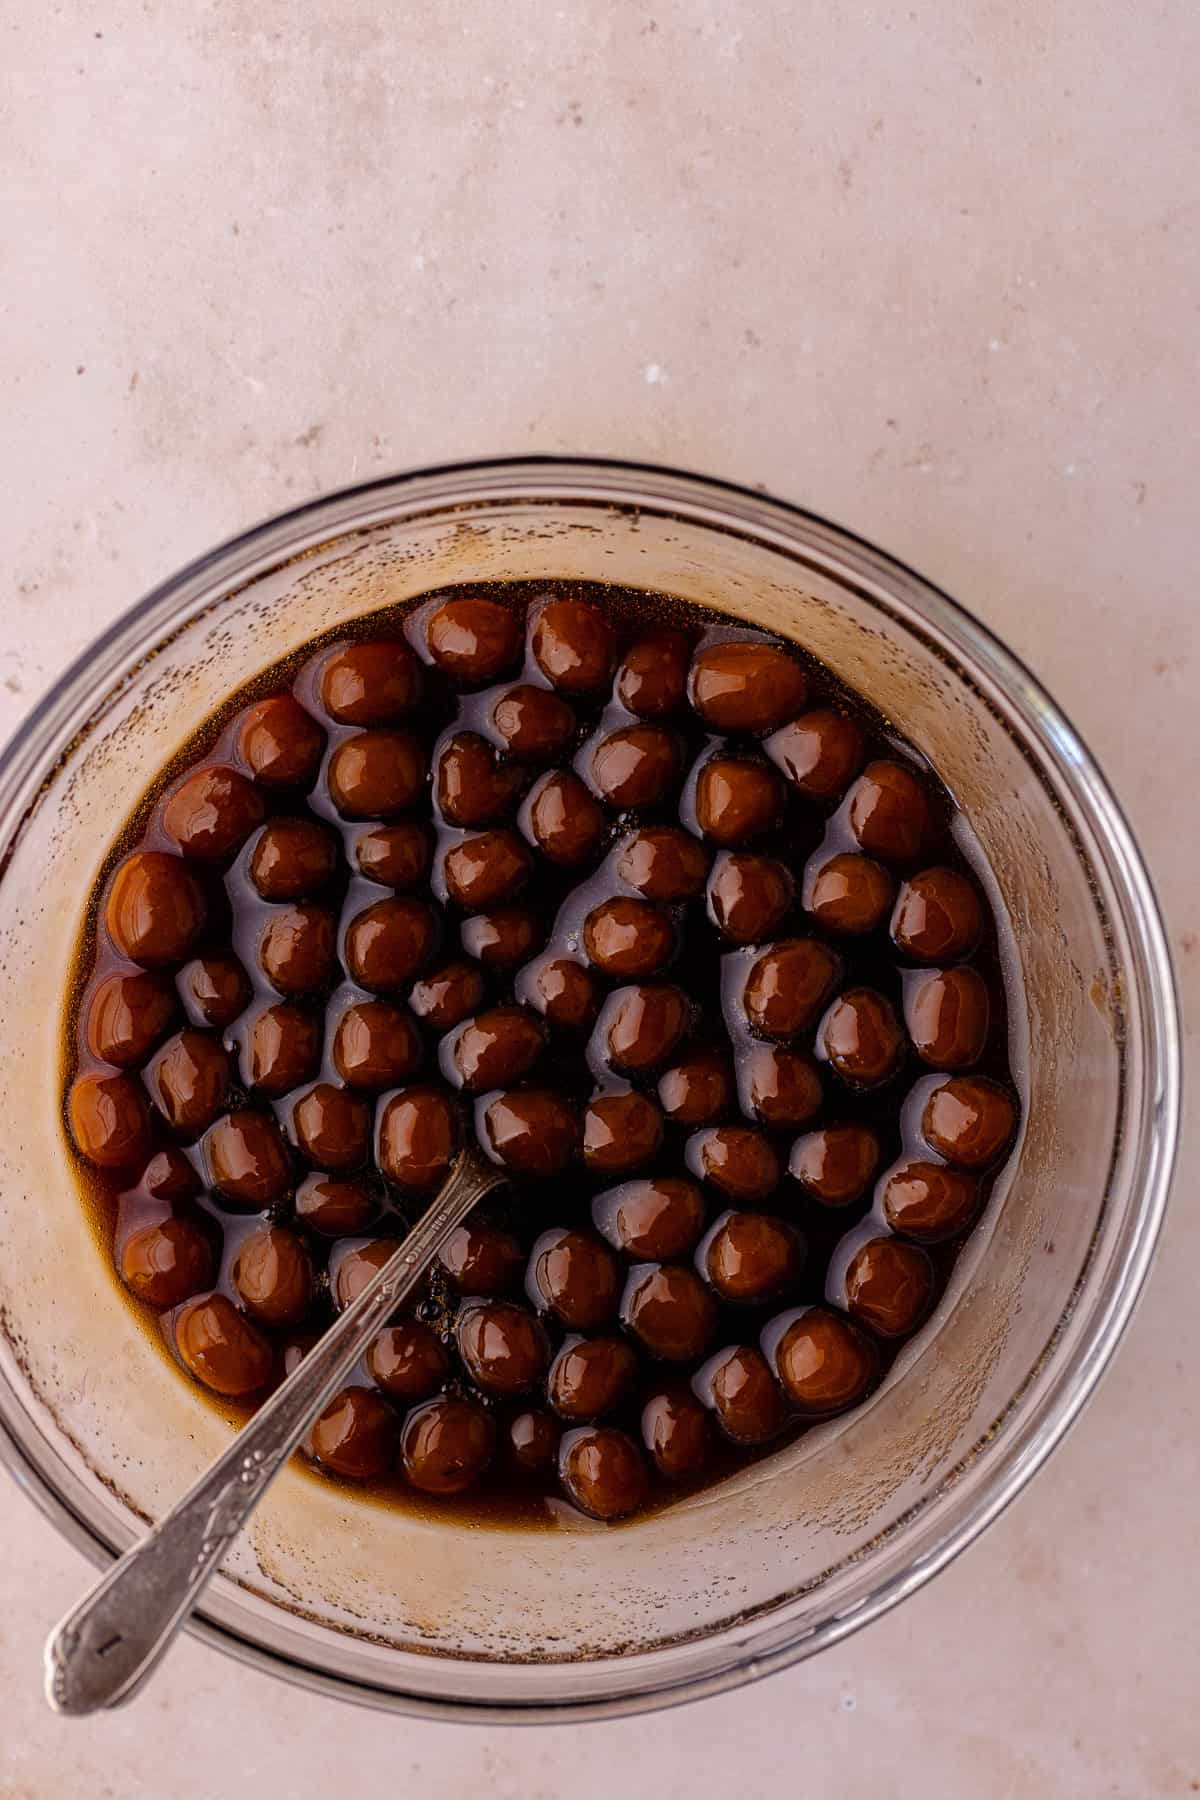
<point>110,1643</point>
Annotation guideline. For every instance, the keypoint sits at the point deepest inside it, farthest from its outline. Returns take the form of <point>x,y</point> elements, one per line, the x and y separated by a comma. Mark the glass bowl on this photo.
<point>407,1611</point>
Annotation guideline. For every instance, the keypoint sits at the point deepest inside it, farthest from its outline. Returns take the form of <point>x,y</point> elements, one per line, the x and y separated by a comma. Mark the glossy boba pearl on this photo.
<point>746,686</point>
<point>376,1046</point>
<point>408,1362</point>
<point>677,1433</point>
<point>110,1120</point>
<point>167,1263</point>
<point>297,949</point>
<point>292,858</point>
<point>861,1038</point>
<point>370,684</point>
<point>484,870</point>
<point>214,990</point>
<point>748,896</point>
<point>356,1435</point>
<point>332,1126</point>
<point>572,646</point>
<point>602,1471</point>
<point>502,1346</point>
<point>670,1312</point>
<point>154,910</point>
<point>472,787</point>
<point>375,774</point>
<point>189,1079</point>
<point>442,999</point>
<point>748,1405</point>
<point>928,1201</point>
<point>620,1133</point>
<point>273,1276</point>
<point>533,1443</point>
<point>353,1268</point>
<point>787,986</point>
<point>820,752</point>
<point>652,1221</point>
<point>170,1176</point>
<point>496,1047</point>
<point>969,1120</point>
<point>779,1087</point>
<point>397,856</point>
<point>564,992</point>
<point>751,1256</point>
<point>418,1136</point>
<point>533,724</point>
<point>474,640</point>
<point>835,1165</point>
<point>590,1376</point>
<point>247,1159</point>
<point>642,1025</point>
<point>212,812</point>
<point>849,894</point>
<point>639,765</point>
<point>127,1016</point>
<point>889,812</point>
<point>282,1049</point>
<point>333,1205</point>
<point>562,819</point>
<point>736,1159</point>
<point>221,1348</point>
<point>574,1276</point>
<point>280,743</point>
<point>652,678</point>
<point>663,863</point>
<point>627,939</point>
<point>937,917</point>
<point>481,1259</point>
<point>736,799</point>
<point>946,1012</point>
<point>531,1133</point>
<point>697,1090</point>
<point>888,1285</point>
<point>386,943</point>
<point>446,1445</point>
<point>824,1363</point>
<point>501,937</point>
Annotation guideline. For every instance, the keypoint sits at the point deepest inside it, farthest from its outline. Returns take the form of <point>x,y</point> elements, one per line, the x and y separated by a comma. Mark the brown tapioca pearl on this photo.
<point>663,863</point>
<point>292,858</point>
<point>946,1012</point>
<point>621,1132</point>
<point>502,1346</point>
<point>820,752</point>
<point>562,819</point>
<point>788,985</point>
<point>564,992</point>
<point>110,1120</point>
<point>627,939</point>
<point>736,799</point>
<point>472,787</point>
<point>221,1348</point>
<point>332,1126</point>
<point>698,1089</point>
<point>446,1445</point>
<point>273,1276</point>
<point>376,1046</point>
<point>397,856</point>
<point>214,990</point>
<point>354,1266</point>
<point>670,1312</point>
<point>889,812</point>
<point>748,896</point>
<point>387,943</point>
<point>189,1079</point>
<point>861,1038</point>
<point>154,910</point>
<point>370,684</point>
<point>677,1432</point>
<point>574,1276</point>
<point>484,870</point>
<point>297,949</point>
<point>533,1443</point>
<point>749,1407</point>
<point>746,686</point>
<point>530,1133</point>
<point>496,1047</point>
<point>590,1376</point>
<point>280,743</point>
<point>642,1025</point>
<point>835,1165</point>
<point>127,1016</point>
<point>418,1136</point>
<point>780,1087</point>
<point>474,640</point>
<point>602,1472</point>
<point>212,813</point>
<point>442,999</point>
<point>336,1207</point>
<point>888,1286</point>
<point>824,1362</point>
<point>749,1257</point>
<point>849,893</point>
<point>639,765</point>
<point>533,724</point>
<point>408,1362</point>
<point>652,678</point>
<point>165,1264</point>
<point>356,1435</point>
<point>295,1348</point>
<point>247,1159</point>
<point>282,1049</point>
<point>928,1201</point>
<point>653,1221</point>
<point>170,1176</point>
<point>572,646</point>
<point>969,1120</point>
<point>481,1259</point>
<point>736,1159</point>
<point>375,774</point>
<point>937,916</point>
<point>502,937</point>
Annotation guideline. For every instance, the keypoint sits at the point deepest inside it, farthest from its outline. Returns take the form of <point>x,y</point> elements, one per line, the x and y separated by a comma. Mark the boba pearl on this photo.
<point>110,1121</point>
<point>334,1205</point>
<point>501,937</point>
<point>282,1049</point>
<point>446,1444</point>
<point>375,774</point>
<point>533,724</point>
<point>639,765</point>
<point>820,752</point>
<point>376,1045</point>
<point>946,1013</point>
<point>165,1264</point>
<point>370,684</point>
<point>397,856</point>
<point>408,1362</point>
<point>533,1443</point>
<point>481,1259</point>
<point>447,996</point>
<point>297,949</point>
<point>474,640</point>
<point>127,1016</point>
<point>170,1176</point>
<point>746,686</point>
<point>574,1276</point>
<point>698,1089</point>
<point>736,799</point>
<point>736,1159</point>
<point>778,1087</point>
<point>154,911</point>
<point>562,819</point>
<point>627,939</point>
<point>652,678</point>
<point>356,1435</point>
<point>861,1037</point>
<point>835,1165</point>
<point>356,1266</point>
<point>677,1433</point>
<point>670,1311</point>
<point>748,1257</point>
<point>189,1079</point>
<point>590,1376</point>
<point>889,812</point>
<point>642,1025</point>
<point>486,869</point>
<point>472,787</point>
<point>291,858</point>
<point>787,986</point>
<point>620,1133</point>
<point>602,1471</point>
<point>502,1346</point>
<point>849,894</point>
<point>652,1221</point>
<point>295,1348</point>
<point>280,743</point>
<point>247,1159</point>
<point>748,896</point>
<point>273,1276</point>
<point>928,1201</point>
<point>938,916</point>
<point>888,1286</point>
<point>969,1121</point>
<point>418,1136</point>
<point>332,1126</point>
<point>212,813</point>
<point>823,1362</point>
<point>530,1133</point>
<point>220,1348</point>
<point>572,646</point>
<point>565,993</point>
<point>214,990</point>
<point>663,863</point>
<point>496,1047</point>
<point>749,1407</point>
<point>387,943</point>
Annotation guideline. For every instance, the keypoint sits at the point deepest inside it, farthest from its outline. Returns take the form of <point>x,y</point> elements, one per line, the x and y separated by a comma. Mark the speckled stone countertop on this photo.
<point>930,270</point>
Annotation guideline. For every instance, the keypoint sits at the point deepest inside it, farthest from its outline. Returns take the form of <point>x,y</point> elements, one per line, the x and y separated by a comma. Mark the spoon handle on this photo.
<point>108,1645</point>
